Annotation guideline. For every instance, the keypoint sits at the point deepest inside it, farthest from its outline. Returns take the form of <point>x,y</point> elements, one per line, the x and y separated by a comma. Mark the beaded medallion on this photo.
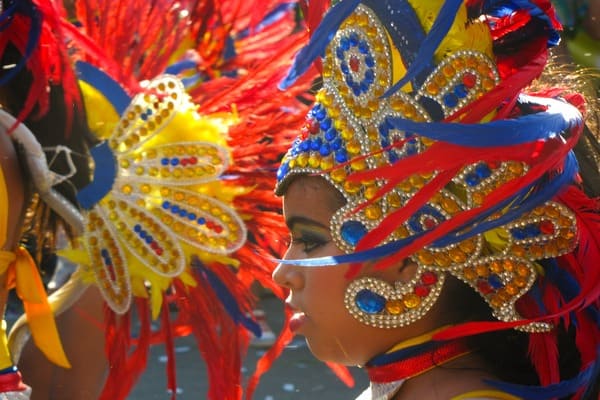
<point>348,130</point>
<point>155,207</point>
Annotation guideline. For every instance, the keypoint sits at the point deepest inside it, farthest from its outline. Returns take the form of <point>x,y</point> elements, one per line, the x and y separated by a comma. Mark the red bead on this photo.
<point>484,286</point>
<point>184,162</point>
<point>429,278</point>
<point>429,223</point>
<point>218,228</point>
<point>422,291</point>
<point>547,227</point>
<point>159,251</point>
<point>354,63</point>
<point>469,80</point>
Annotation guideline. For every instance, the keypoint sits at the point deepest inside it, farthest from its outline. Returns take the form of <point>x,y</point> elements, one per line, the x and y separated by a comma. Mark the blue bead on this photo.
<point>369,61</point>
<point>325,150</point>
<point>325,124</point>
<point>532,231</point>
<point>356,90</point>
<point>349,81</point>
<point>472,179</point>
<point>495,281</point>
<point>316,144</point>
<point>518,233</point>
<point>192,216</point>
<point>461,91</point>
<point>104,253</point>
<point>137,228</point>
<point>201,220</point>
<point>483,170</point>
<point>364,86</point>
<point>320,114</point>
<point>340,53</point>
<point>345,43</point>
<point>331,134</point>
<point>164,161</point>
<point>337,144</point>
<point>369,76</point>
<point>344,68</point>
<point>370,302</point>
<point>363,47</point>
<point>142,234</point>
<point>175,161</point>
<point>305,146</point>
<point>183,213</point>
<point>450,100</point>
<point>352,232</point>
<point>353,39</point>
<point>341,156</point>
<point>149,239</point>
<point>166,205</point>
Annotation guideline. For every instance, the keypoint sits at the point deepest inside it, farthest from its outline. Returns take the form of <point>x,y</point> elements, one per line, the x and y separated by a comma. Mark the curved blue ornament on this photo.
<point>352,232</point>
<point>369,302</point>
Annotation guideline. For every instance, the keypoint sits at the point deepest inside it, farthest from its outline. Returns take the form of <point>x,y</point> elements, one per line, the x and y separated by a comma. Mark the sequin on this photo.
<point>370,302</point>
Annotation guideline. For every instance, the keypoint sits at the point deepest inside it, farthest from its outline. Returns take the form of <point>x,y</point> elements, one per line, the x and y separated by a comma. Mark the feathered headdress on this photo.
<point>423,124</point>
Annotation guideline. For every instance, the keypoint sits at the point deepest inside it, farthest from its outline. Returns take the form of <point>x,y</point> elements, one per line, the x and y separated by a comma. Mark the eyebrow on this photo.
<point>292,221</point>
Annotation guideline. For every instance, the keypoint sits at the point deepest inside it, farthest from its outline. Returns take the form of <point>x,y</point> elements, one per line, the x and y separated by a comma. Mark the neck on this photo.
<point>414,357</point>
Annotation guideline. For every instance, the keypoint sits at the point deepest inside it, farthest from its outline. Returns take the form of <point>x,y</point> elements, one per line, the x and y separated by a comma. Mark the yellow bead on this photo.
<point>401,232</point>
<point>457,255</point>
<point>370,192</point>
<point>394,307</point>
<point>352,187</point>
<point>482,270</point>
<point>411,301</point>
<point>449,205</point>
<point>338,175</point>
<point>520,282</point>
<point>124,164</point>
<point>425,257</point>
<point>442,260</point>
<point>373,212</point>
<point>314,161</point>
<point>523,270</point>
<point>302,160</point>
<point>358,165</point>
<point>448,71</point>
<point>417,181</point>
<point>468,246</point>
<point>394,200</point>
<point>433,89</point>
<point>496,266</point>
<point>517,250</point>
<point>347,134</point>
<point>353,147</point>
<point>127,189</point>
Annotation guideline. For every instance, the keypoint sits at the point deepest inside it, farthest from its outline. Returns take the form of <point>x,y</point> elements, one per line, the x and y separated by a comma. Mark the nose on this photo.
<point>288,276</point>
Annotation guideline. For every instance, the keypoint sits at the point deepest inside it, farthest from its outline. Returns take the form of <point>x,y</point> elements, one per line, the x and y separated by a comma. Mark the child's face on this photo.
<point>317,293</point>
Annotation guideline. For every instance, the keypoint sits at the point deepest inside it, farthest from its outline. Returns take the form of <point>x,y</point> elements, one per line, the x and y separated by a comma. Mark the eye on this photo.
<point>308,243</point>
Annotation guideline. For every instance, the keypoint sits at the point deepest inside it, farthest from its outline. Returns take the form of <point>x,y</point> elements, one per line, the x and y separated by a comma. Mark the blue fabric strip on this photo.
<point>105,173</point>
<point>105,84</point>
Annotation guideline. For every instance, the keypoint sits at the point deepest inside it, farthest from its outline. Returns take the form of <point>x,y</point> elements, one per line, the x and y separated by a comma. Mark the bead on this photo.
<point>394,307</point>
<point>411,301</point>
<point>369,302</point>
<point>352,231</point>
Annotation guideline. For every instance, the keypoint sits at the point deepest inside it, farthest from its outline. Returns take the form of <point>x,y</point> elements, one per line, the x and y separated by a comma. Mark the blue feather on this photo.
<point>226,298</point>
<point>558,117</point>
<point>432,41</point>
<point>35,31</point>
<point>559,390</point>
<point>319,40</point>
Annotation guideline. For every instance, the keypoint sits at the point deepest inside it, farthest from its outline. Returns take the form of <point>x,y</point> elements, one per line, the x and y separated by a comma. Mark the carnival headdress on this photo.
<point>171,205</point>
<point>423,126</point>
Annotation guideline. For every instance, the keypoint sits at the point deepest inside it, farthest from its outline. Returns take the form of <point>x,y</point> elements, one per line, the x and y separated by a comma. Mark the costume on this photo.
<point>425,127</point>
<point>169,218</point>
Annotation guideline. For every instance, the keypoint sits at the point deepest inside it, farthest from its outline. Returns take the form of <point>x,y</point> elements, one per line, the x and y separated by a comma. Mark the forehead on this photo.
<point>306,194</point>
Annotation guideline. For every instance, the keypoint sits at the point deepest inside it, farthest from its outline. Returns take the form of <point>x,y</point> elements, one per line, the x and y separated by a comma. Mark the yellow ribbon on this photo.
<point>23,274</point>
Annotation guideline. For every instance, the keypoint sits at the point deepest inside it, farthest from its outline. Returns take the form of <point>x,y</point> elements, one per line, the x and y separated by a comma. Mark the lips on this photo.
<point>297,321</point>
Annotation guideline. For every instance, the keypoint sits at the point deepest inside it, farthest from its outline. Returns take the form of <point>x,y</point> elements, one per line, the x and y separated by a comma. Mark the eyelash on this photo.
<point>309,244</point>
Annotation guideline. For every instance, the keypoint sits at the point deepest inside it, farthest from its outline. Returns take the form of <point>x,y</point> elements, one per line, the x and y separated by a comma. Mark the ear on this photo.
<point>402,271</point>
